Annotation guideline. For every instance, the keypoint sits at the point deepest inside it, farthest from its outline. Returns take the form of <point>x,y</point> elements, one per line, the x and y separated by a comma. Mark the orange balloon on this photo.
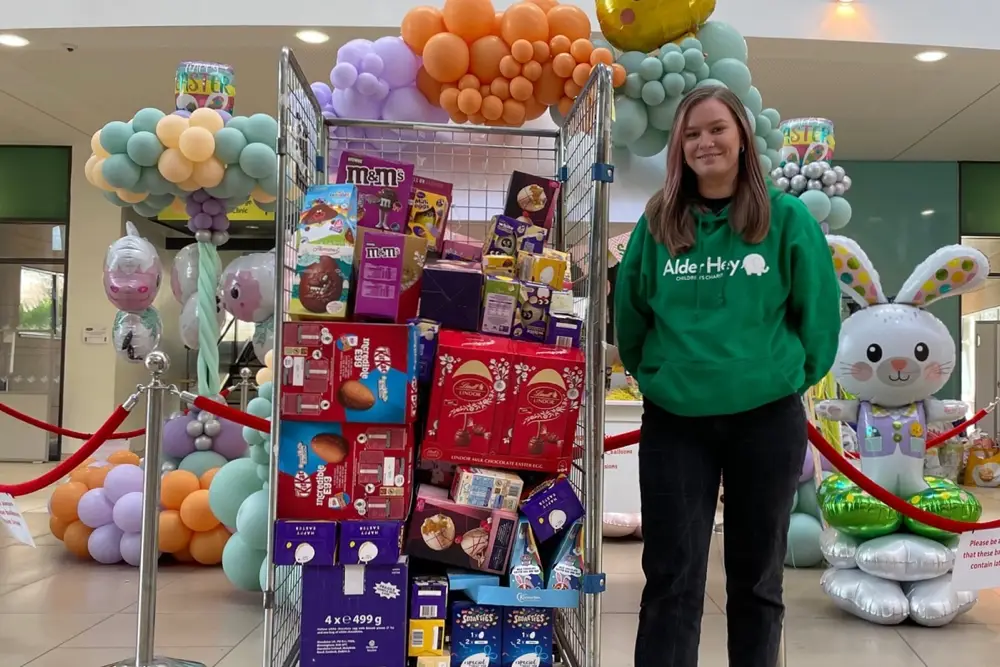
<point>532,71</point>
<point>513,112</point>
<point>560,44</point>
<point>468,81</point>
<point>65,499</point>
<point>196,514</point>
<point>509,67</point>
<point>492,107</point>
<point>206,548</point>
<point>521,89</point>
<point>522,50</point>
<point>563,65</point>
<point>174,535</point>
<point>618,75</point>
<point>581,50</point>
<point>419,25</point>
<point>501,88</point>
<point>484,57</point>
<point>565,104</point>
<point>469,19</point>
<point>75,537</point>
<point>533,109</point>
<point>458,117</point>
<point>446,57</point>
<point>581,73</point>
<point>57,527</point>
<point>470,101</point>
<point>497,23</point>
<point>544,5</point>
<point>603,56</point>
<point>205,481</point>
<point>176,486</point>
<point>124,456</point>
<point>86,462</point>
<point>484,90</point>
<point>542,51</point>
<point>184,555</point>
<point>524,21</point>
<point>449,100</point>
<point>549,87</point>
<point>430,88</point>
<point>96,475</point>
<point>477,119</point>
<point>571,89</point>
<point>79,475</point>
<point>568,20</point>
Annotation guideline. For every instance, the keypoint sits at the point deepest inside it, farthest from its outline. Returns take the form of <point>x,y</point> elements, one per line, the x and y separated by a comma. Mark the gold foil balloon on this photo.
<point>951,503</point>
<point>855,513</point>
<point>645,25</point>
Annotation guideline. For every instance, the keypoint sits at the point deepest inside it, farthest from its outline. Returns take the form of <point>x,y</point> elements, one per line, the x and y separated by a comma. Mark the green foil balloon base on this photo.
<point>950,502</point>
<point>855,513</point>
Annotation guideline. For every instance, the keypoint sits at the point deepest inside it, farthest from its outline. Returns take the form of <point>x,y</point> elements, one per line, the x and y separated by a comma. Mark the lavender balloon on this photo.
<point>94,509</point>
<point>176,442</point>
<point>230,443</point>
<point>123,479</point>
<point>127,512</point>
<point>131,548</point>
<point>401,63</point>
<point>808,466</point>
<point>105,544</point>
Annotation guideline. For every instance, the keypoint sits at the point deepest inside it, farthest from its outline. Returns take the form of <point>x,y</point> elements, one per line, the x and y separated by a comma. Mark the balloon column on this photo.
<point>500,68</point>
<point>805,528</point>
<point>239,498</point>
<point>894,356</point>
<point>132,276</point>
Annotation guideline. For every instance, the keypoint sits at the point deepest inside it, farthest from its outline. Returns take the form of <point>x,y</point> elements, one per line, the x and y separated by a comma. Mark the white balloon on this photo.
<point>936,602</point>
<point>189,320</point>
<point>137,334</point>
<point>903,557</point>
<point>248,287</point>
<point>839,550</point>
<point>866,596</point>
<point>184,273</point>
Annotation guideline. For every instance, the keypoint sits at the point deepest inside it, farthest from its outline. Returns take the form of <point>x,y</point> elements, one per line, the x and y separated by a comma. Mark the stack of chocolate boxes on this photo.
<point>470,358</point>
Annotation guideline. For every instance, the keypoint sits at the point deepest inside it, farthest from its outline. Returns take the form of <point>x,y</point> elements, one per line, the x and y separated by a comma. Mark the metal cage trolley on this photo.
<point>478,162</point>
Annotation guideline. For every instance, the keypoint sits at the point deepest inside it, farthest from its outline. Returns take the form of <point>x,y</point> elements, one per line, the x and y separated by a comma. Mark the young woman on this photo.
<point>727,309</point>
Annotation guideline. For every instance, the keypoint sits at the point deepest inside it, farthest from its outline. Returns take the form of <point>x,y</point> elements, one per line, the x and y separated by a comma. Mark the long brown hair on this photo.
<point>668,212</point>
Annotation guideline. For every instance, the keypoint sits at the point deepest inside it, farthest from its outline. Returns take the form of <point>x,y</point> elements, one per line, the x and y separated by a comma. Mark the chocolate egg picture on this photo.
<point>438,532</point>
<point>320,284</point>
<point>463,438</point>
<point>355,396</point>
<point>330,447</point>
<point>475,543</point>
<point>531,198</point>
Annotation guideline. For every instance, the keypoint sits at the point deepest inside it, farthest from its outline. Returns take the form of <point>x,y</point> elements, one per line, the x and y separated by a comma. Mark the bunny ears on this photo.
<point>949,271</point>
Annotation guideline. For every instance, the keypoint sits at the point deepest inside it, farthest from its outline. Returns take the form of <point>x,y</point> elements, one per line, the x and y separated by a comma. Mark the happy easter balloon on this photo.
<point>649,24</point>
<point>813,139</point>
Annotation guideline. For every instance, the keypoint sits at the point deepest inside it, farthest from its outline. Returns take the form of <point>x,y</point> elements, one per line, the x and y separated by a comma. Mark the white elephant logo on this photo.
<point>755,265</point>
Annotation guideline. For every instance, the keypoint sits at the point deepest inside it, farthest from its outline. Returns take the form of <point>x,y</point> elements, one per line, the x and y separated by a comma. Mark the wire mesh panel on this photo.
<point>301,138</point>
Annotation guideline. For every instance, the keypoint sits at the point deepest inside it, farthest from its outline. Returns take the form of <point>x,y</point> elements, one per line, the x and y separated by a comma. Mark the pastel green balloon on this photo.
<point>734,74</point>
<point>652,142</point>
<point>818,203</point>
<point>855,513</point>
<point>774,156</point>
<point>259,407</point>
<point>242,563</point>
<point>765,163</point>
<point>803,549</point>
<point>261,128</point>
<point>673,84</point>
<point>120,172</point>
<point>710,83</point>
<point>236,183</point>
<point>760,144</point>
<point>703,72</point>
<point>690,81</point>
<point>146,119</point>
<point>720,40</point>
<point>264,567</point>
<point>146,209</point>
<point>263,473</point>
<point>259,161</point>
<point>251,520</point>
<point>115,199</point>
<point>795,501</point>
<point>651,69</point>
<point>950,503</point>
<point>773,116</point>
<point>233,484</point>
<point>631,60</point>
<point>673,61</point>
<point>229,144</point>
<point>764,126</point>
<point>692,43</point>
<point>775,139</point>
<point>662,116</point>
<point>144,148</point>
<point>653,93</point>
<point>753,100</point>
<point>152,181</point>
<point>259,455</point>
<point>252,436</point>
<point>266,391</point>
<point>201,462</point>
<point>840,213</point>
<point>808,502</point>
<point>693,59</point>
<point>115,136</point>
<point>632,120</point>
<point>633,85</point>
<point>269,185</point>
<point>670,47</point>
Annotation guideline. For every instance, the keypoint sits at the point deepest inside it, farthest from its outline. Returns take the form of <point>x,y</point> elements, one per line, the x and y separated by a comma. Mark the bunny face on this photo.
<point>894,354</point>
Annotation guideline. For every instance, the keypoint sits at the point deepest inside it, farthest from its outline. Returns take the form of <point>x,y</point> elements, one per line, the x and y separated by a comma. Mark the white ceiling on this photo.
<point>885,105</point>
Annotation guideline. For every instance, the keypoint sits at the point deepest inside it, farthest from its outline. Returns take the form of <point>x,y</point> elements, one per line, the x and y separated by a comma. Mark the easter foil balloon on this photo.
<point>649,24</point>
<point>832,485</point>
<point>132,272</point>
<point>855,513</point>
<point>952,503</point>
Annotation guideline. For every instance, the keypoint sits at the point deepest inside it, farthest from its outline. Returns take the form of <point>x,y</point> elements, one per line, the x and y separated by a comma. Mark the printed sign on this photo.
<point>13,521</point>
<point>977,563</point>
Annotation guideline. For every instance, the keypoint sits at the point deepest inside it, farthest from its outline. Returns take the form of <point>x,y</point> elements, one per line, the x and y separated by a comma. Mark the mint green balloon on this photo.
<point>266,391</point>
<point>691,43</point>
<point>840,214</point>
<point>752,99</point>
<point>808,502</point>
<point>221,191</point>
<point>703,72</point>
<point>673,61</point>
<point>242,563</point>
<point>652,142</point>
<point>631,60</point>
<point>229,143</point>
<point>120,172</point>
<point>632,120</point>
<point>633,85</point>
<point>115,136</point>
<point>795,502</point>
<point>803,549</point>
<point>760,144</point>
<point>651,69</point>
<point>259,161</point>
<point>773,116</point>
<point>147,210</point>
<point>146,119</point>
<point>201,462</point>
<point>775,139</point>
<point>764,126</point>
<point>693,60</point>
<point>251,520</point>
<point>236,182</point>
<point>238,123</point>
<point>673,84</point>
<point>144,148</point>
<point>152,181</point>
<point>710,83</point>
<point>259,407</point>
<point>818,204</point>
<point>270,185</point>
<point>690,81</point>
<point>765,163</point>
<point>262,129</point>
<point>653,93</point>
<point>263,575</point>
<point>252,437</point>
<point>670,47</point>
<point>734,74</point>
<point>233,484</point>
<point>264,473</point>
<point>662,115</point>
<point>720,40</point>
<point>773,156</point>
<point>116,200</point>
<point>259,455</point>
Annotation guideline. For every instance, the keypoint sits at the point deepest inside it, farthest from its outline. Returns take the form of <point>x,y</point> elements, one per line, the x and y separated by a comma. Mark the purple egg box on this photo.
<point>384,189</point>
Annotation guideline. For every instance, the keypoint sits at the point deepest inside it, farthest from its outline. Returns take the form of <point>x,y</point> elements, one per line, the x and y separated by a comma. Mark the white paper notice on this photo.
<point>977,564</point>
<point>13,521</point>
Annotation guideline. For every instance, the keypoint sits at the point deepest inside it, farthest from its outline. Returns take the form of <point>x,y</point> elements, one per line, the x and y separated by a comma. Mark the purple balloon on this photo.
<point>230,443</point>
<point>192,207</point>
<point>202,221</point>
<point>406,104</point>
<point>183,113</point>
<point>225,115</point>
<point>94,509</point>
<point>352,104</point>
<point>343,76</point>
<point>131,548</point>
<point>367,84</point>
<point>220,223</point>
<point>353,52</point>
<point>329,115</point>
<point>808,466</point>
<point>213,207</point>
<point>176,442</point>
<point>382,90</point>
<point>401,63</point>
<point>105,544</point>
<point>127,513</point>
<point>372,64</point>
<point>322,93</point>
<point>123,479</point>
<point>199,196</point>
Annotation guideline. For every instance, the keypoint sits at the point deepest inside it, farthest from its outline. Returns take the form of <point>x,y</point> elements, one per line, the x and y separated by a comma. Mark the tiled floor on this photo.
<point>56,611</point>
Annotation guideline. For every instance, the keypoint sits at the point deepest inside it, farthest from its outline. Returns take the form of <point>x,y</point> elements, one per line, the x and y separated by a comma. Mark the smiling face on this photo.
<point>712,141</point>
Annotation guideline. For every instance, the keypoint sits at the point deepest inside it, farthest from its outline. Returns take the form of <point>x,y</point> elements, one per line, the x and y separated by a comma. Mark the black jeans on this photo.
<point>681,459</point>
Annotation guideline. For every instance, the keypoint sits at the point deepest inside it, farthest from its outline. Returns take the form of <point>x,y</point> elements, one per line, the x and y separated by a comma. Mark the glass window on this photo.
<point>40,309</point>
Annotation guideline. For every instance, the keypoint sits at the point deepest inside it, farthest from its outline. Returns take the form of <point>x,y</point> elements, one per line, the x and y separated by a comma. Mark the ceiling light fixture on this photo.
<point>930,56</point>
<point>13,41</point>
<point>313,36</point>
<point>927,212</point>
<point>844,2</point>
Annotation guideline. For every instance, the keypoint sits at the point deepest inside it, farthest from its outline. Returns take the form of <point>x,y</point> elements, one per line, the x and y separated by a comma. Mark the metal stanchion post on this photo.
<point>782,655</point>
<point>157,363</point>
<point>244,388</point>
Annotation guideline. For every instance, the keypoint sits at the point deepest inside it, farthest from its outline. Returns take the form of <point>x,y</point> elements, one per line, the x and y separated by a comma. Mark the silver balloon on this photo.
<point>903,557</point>
<point>866,596</point>
<point>847,183</point>
<point>829,190</point>
<point>823,165</point>
<point>829,177</point>
<point>202,443</point>
<point>839,171</point>
<point>839,550</point>
<point>220,238</point>
<point>814,185</point>
<point>194,429</point>
<point>777,173</point>
<point>142,463</point>
<point>791,169</point>
<point>203,236</point>
<point>782,184</point>
<point>799,183</point>
<point>838,190</point>
<point>168,466</point>
<point>935,602</point>
<point>205,417</point>
<point>812,170</point>
<point>213,428</point>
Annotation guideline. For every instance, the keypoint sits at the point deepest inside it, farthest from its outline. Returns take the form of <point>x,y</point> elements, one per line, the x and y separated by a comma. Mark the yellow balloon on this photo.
<point>648,25</point>
<point>89,168</point>
<point>269,359</point>
<point>190,185</point>
<point>259,195</point>
<point>208,119</point>
<point>209,173</point>
<point>264,375</point>
<point>95,145</point>
<point>131,197</point>
<point>169,130</point>
<point>173,166</point>
<point>197,144</point>
<point>97,174</point>
<point>177,205</point>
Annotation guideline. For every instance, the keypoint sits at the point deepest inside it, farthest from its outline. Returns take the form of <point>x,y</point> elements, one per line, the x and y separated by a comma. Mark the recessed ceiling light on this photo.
<point>930,56</point>
<point>313,36</point>
<point>15,41</point>
<point>927,212</point>
<point>844,2</point>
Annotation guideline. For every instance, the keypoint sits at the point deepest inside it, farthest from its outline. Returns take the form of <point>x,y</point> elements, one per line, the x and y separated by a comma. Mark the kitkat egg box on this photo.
<point>348,372</point>
<point>468,537</point>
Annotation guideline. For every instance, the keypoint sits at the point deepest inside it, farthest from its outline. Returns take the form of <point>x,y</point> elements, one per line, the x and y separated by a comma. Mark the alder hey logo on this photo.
<point>714,267</point>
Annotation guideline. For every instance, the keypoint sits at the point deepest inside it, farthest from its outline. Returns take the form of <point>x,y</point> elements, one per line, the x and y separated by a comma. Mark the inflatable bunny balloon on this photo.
<point>248,287</point>
<point>132,272</point>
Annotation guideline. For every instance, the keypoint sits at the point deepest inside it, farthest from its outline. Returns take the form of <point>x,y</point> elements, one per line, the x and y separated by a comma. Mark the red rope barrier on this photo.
<point>106,430</point>
<point>233,415</point>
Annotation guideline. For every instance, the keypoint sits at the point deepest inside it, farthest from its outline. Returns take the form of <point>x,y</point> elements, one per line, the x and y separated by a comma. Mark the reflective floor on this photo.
<point>56,612</point>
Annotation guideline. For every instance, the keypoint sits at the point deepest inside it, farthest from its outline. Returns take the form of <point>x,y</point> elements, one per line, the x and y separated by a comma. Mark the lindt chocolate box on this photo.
<point>476,632</point>
<point>550,507</point>
<point>344,472</point>
<point>348,372</point>
<point>451,294</point>
<point>368,606</point>
<point>532,198</point>
<point>468,537</point>
<point>305,543</point>
<point>528,634</point>
<point>564,331</point>
<point>499,305</point>
<point>371,542</point>
<point>531,319</point>
<point>426,347</point>
<point>429,210</point>
<point>384,190</point>
<point>503,236</point>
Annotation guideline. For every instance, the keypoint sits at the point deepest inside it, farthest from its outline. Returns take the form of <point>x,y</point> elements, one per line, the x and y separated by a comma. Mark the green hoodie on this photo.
<point>729,326</point>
